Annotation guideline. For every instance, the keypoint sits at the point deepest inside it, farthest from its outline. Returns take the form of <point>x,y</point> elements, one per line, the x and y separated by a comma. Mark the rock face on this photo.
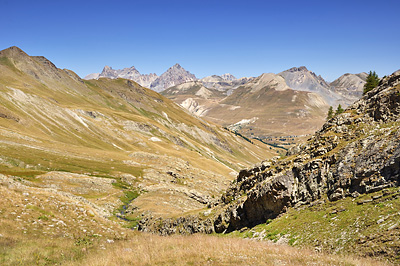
<point>355,152</point>
<point>175,75</point>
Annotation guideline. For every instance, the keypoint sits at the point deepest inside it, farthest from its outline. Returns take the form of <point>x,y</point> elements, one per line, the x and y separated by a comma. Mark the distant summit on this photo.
<point>131,73</point>
<point>345,90</point>
<point>302,79</point>
<point>175,75</point>
<point>350,86</point>
<point>228,77</point>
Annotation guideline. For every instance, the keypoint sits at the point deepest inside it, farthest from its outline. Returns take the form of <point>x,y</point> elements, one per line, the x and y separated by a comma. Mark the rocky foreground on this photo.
<point>354,153</point>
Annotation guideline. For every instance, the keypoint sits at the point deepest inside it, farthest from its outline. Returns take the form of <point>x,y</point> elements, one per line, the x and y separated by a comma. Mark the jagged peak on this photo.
<point>298,69</point>
<point>176,66</point>
<point>228,76</point>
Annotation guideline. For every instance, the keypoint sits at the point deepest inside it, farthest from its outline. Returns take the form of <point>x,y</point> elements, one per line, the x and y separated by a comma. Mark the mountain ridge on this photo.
<point>53,121</point>
<point>354,154</point>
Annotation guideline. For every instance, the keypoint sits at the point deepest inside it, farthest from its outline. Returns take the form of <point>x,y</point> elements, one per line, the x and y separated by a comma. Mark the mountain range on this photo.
<point>264,107</point>
<point>83,162</point>
<point>54,125</point>
<point>173,76</point>
<point>273,115</point>
<point>344,90</point>
<point>338,191</point>
<point>279,108</point>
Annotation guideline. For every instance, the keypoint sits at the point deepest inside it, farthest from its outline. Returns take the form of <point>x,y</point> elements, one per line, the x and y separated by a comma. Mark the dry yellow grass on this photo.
<point>146,249</point>
<point>40,227</point>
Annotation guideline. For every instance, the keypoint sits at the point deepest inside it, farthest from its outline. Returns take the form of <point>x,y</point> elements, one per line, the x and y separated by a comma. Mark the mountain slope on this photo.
<point>51,121</point>
<point>354,154</point>
<point>264,108</point>
<point>345,90</point>
<point>302,79</point>
<point>350,86</point>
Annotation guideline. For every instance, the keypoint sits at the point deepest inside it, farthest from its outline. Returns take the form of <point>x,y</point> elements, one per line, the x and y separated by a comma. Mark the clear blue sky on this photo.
<point>245,38</point>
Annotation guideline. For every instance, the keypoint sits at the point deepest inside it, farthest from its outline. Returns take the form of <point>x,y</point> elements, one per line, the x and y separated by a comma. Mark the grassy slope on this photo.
<point>51,120</point>
<point>40,227</point>
<point>342,226</point>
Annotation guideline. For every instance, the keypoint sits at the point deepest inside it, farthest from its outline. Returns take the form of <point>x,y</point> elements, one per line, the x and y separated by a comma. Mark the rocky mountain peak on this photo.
<point>302,79</point>
<point>298,69</point>
<point>176,66</point>
<point>228,77</point>
<point>109,72</point>
<point>175,75</point>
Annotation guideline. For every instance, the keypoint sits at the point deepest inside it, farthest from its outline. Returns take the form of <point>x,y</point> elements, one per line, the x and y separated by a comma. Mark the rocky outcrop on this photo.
<point>355,152</point>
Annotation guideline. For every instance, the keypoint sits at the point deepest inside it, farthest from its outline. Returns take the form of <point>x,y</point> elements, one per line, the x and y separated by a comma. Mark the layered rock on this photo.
<point>355,152</point>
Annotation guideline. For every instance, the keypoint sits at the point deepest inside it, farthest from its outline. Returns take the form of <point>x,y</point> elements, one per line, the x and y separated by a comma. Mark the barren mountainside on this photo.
<point>56,127</point>
<point>350,86</point>
<point>263,107</point>
<point>345,90</point>
<point>354,154</point>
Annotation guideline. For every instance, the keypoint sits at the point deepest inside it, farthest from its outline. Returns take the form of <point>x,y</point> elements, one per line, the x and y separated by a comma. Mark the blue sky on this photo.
<point>245,38</point>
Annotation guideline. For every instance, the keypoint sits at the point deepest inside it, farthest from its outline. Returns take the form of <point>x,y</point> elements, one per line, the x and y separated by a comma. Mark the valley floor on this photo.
<point>41,227</point>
